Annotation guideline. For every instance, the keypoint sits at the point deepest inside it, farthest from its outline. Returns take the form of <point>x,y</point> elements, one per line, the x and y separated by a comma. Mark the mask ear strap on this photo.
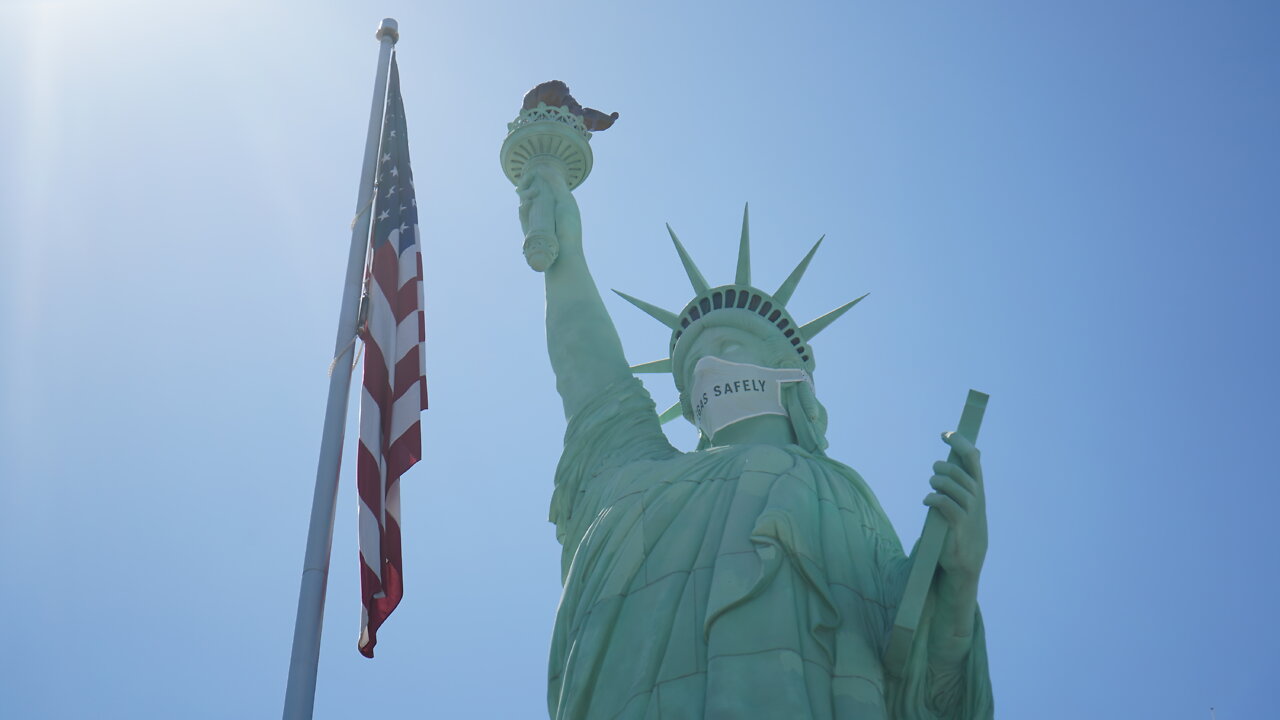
<point>793,375</point>
<point>806,415</point>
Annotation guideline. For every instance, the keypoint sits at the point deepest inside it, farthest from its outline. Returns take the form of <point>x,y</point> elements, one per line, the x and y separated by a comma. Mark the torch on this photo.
<point>550,136</point>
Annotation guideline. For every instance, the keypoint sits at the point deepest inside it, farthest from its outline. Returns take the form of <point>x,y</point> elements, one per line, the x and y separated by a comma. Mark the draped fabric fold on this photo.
<point>746,581</point>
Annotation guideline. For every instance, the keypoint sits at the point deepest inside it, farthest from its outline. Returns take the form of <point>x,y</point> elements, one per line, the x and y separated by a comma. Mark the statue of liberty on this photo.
<point>754,577</point>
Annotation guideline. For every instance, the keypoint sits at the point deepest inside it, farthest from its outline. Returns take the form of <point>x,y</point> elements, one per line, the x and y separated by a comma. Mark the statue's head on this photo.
<point>739,323</point>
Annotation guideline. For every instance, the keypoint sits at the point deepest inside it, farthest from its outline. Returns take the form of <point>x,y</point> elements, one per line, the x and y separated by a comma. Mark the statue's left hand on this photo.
<point>960,498</point>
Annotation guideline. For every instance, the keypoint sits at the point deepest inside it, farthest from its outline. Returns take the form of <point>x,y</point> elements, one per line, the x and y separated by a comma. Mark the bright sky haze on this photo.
<point>1071,207</point>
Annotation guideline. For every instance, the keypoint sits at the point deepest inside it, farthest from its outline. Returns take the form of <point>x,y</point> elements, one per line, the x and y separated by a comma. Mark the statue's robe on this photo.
<point>746,581</point>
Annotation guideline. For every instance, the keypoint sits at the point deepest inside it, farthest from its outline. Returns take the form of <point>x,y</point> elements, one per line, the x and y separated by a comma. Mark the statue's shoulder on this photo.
<point>769,458</point>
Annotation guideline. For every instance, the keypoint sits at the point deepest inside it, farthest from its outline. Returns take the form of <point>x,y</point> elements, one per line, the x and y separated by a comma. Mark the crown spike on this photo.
<point>656,366</point>
<point>810,329</point>
<point>666,317</point>
<point>783,295</point>
<point>670,414</point>
<point>695,276</point>
<point>744,251</point>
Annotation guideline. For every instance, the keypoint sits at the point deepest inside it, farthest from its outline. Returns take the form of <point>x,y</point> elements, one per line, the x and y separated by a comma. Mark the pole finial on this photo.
<point>389,27</point>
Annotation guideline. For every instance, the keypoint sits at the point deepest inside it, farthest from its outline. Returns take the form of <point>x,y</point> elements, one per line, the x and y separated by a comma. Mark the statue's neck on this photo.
<point>761,430</point>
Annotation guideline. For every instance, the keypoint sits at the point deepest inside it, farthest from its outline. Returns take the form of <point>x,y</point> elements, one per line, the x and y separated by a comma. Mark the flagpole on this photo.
<point>299,698</point>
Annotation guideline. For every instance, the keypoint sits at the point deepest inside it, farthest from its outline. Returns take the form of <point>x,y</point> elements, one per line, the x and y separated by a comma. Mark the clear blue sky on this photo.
<point>1071,208</point>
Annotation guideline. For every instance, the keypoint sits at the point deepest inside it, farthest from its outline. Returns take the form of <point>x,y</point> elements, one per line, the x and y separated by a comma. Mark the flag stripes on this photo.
<point>394,390</point>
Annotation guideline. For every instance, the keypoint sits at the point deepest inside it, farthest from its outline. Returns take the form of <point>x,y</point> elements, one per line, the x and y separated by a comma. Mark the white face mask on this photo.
<point>724,392</point>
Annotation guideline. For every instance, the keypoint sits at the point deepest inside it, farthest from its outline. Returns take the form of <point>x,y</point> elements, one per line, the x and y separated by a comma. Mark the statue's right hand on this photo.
<point>567,216</point>
<point>549,216</point>
<point>528,190</point>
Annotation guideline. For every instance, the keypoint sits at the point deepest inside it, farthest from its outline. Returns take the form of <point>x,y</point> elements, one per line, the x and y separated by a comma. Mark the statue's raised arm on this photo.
<point>546,154</point>
<point>754,577</point>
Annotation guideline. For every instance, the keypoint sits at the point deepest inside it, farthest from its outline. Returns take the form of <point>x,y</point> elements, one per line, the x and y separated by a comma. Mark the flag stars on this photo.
<point>386,157</point>
<point>395,171</point>
<point>391,191</point>
<point>384,215</point>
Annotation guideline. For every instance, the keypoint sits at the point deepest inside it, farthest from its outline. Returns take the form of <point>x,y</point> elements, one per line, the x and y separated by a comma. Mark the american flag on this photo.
<point>395,384</point>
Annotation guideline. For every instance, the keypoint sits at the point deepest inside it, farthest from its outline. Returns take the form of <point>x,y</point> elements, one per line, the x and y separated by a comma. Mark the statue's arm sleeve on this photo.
<point>617,428</point>
<point>586,353</point>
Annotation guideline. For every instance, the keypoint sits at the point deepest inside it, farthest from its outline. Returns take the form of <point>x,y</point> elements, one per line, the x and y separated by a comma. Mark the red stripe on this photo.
<point>391,372</point>
<point>407,369</point>
<point>379,608</point>
<point>368,478</point>
<point>422,342</point>
<point>391,552</point>
<point>376,381</point>
<point>391,584</point>
<point>386,269</point>
<point>406,300</point>
<point>404,451</point>
<point>392,568</point>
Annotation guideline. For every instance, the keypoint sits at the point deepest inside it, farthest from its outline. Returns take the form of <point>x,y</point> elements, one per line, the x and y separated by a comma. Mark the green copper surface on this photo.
<point>669,414</point>
<point>653,366</point>
<point>743,276</point>
<point>925,559</point>
<point>549,142</point>
<point>739,298</point>
<point>783,294</point>
<point>695,276</point>
<point>666,317</point>
<point>817,325</point>
<point>755,577</point>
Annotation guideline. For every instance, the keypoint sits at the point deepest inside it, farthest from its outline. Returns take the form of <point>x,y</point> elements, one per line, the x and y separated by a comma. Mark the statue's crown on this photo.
<point>741,295</point>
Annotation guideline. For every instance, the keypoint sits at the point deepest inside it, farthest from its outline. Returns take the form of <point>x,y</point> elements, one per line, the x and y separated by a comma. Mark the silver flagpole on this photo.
<point>300,695</point>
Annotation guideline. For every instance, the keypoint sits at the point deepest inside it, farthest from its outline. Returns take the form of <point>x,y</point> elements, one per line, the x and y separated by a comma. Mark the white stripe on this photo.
<point>420,315</point>
<point>371,425</point>
<point>382,327</point>
<point>405,412</point>
<point>370,527</point>
<point>408,258</point>
<point>364,626</point>
<point>370,541</point>
<point>422,354</point>
<point>393,501</point>
<point>406,338</point>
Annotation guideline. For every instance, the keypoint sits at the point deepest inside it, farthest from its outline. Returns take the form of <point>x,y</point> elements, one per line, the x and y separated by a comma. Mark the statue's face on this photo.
<point>733,344</point>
